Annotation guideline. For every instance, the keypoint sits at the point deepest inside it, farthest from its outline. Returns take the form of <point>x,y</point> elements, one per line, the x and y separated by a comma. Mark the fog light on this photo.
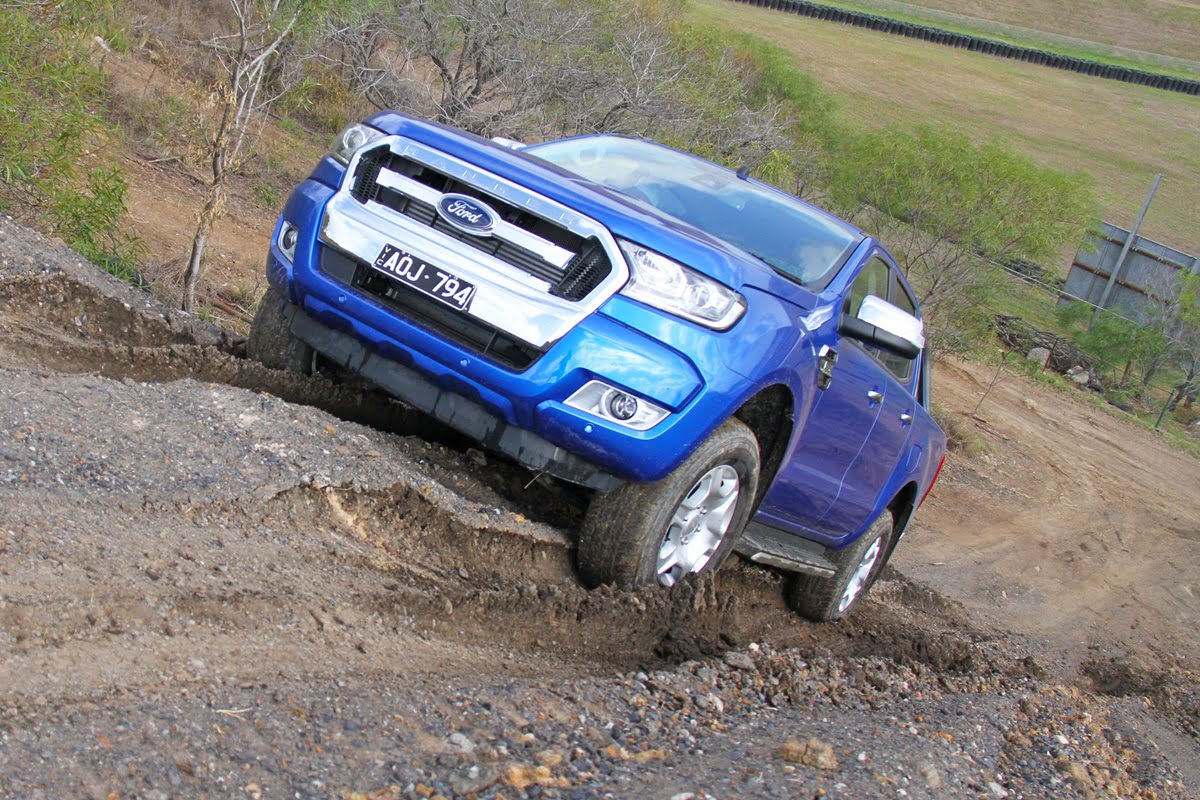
<point>620,405</point>
<point>610,403</point>
<point>288,235</point>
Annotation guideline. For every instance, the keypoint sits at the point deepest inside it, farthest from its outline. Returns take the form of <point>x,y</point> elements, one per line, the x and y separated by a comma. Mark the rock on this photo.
<point>461,743</point>
<point>471,780</point>
<point>522,777</point>
<point>930,774</point>
<point>1039,355</point>
<point>1076,772</point>
<point>1079,375</point>
<point>997,790</point>
<point>549,758</point>
<point>813,753</point>
<point>739,660</point>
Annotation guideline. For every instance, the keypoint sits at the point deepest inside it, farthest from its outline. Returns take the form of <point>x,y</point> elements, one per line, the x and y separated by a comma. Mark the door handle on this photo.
<point>874,396</point>
<point>906,419</point>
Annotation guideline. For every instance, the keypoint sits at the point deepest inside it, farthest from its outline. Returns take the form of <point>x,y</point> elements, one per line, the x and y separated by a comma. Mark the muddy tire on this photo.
<point>271,342</point>
<point>657,533</point>
<point>859,564</point>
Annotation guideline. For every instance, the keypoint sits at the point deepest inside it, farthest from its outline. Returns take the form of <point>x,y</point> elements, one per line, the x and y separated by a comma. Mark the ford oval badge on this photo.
<point>467,214</point>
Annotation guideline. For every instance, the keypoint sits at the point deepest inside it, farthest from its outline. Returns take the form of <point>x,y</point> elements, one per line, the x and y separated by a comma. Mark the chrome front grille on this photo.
<point>540,268</point>
<point>572,264</point>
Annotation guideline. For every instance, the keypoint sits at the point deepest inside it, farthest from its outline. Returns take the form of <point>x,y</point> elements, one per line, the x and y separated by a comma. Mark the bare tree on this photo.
<point>242,96</point>
<point>540,68</point>
<point>537,69</point>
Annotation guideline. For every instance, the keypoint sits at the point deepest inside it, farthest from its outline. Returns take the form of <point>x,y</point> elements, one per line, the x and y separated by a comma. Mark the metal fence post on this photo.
<point>1163,413</point>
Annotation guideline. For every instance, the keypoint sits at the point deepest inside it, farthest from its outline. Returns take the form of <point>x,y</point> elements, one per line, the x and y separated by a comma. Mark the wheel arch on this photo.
<point>902,506</point>
<point>770,416</point>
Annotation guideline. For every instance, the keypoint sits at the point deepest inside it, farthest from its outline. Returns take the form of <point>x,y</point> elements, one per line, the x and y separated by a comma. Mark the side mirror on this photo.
<point>881,324</point>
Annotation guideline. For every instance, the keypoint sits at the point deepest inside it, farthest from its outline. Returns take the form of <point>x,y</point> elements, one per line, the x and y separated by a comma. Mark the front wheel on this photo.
<point>826,599</point>
<point>658,533</point>
<point>271,342</point>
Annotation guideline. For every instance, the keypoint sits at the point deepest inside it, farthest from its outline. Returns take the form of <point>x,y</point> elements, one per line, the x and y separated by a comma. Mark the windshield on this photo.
<point>798,240</point>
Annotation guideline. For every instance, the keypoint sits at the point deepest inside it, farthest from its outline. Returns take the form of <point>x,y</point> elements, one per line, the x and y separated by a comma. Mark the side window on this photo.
<point>872,280</point>
<point>898,296</point>
<point>878,279</point>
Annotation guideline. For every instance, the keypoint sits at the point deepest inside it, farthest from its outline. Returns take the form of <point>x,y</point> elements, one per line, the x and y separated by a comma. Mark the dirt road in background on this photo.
<point>1076,528</point>
<point>216,582</point>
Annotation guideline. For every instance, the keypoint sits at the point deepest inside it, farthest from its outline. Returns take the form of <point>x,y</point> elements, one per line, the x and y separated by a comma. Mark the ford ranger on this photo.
<point>727,367</point>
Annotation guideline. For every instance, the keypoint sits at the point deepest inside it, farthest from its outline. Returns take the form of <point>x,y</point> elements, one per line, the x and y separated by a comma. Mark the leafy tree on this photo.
<point>1188,341</point>
<point>947,206</point>
<point>1113,342</point>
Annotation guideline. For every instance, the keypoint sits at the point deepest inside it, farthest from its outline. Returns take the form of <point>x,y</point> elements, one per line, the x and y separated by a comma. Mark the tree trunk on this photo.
<point>1125,375</point>
<point>208,216</point>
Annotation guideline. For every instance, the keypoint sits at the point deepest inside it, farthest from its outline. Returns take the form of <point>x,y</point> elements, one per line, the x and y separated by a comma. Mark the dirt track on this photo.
<point>1077,528</point>
<point>206,590</point>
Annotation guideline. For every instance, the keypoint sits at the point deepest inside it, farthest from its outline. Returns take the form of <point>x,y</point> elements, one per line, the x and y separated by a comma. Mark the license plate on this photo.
<point>425,278</point>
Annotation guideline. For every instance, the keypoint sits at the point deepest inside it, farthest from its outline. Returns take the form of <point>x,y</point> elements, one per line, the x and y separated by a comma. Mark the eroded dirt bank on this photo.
<point>209,591</point>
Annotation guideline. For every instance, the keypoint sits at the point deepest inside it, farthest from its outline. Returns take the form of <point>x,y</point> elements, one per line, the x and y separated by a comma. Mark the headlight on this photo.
<point>349,140</point>
<point>665,284</point>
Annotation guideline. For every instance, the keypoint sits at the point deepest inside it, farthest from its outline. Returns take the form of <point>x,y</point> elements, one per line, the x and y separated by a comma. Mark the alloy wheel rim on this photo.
<point>698,525</point>
<point>858,581</point>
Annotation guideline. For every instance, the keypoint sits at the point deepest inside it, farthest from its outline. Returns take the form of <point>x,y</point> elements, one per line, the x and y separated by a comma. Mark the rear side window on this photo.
<point>898,296</point>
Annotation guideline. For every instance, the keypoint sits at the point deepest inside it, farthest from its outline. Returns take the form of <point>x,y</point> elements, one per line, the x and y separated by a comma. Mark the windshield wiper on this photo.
<point>775,267</point>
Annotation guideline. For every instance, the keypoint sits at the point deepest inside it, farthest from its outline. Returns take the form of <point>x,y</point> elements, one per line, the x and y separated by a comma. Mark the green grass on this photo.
<point>1018,298</point>
<point>1173,58</point>
<point>1118,133</point>
<point>1165,27</point>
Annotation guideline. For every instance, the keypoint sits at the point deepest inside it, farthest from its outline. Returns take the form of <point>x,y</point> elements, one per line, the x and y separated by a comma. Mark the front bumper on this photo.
<point>449,408</point>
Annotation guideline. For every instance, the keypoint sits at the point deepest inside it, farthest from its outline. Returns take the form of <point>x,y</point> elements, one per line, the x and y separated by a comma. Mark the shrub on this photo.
<point>949,207</point>
<point>49,95</point>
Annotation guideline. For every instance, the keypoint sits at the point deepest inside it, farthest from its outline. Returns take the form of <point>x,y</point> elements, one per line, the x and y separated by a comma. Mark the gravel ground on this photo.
<point>209,590</point>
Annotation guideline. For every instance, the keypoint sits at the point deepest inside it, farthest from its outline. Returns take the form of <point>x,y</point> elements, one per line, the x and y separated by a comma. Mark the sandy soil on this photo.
<point>1077,529</point>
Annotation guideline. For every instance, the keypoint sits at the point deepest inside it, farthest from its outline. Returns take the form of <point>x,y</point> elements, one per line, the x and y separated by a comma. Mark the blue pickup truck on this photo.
<point>727,367</point>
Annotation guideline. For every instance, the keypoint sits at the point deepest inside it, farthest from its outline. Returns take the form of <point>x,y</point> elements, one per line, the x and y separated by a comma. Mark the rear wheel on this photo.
<point>271,341</point>
<point>826,599</point>
<point>659,533</point>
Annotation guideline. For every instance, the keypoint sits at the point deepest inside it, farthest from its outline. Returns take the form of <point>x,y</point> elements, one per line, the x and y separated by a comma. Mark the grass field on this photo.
<point>1119,133</point>
<point>1162,39</point>
<point>1163,27</point>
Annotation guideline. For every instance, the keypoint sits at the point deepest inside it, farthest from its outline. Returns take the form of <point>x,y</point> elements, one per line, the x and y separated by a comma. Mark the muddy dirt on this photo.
<point>217,581</point>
